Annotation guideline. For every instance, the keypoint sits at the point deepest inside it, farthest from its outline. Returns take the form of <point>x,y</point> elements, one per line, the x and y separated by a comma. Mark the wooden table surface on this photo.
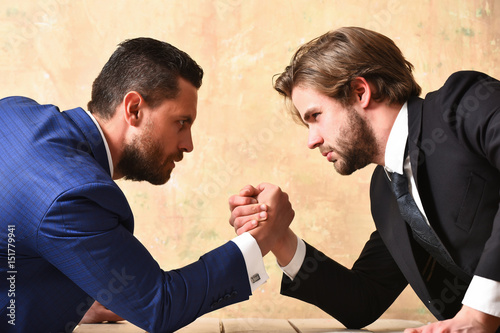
<point>242,325</point>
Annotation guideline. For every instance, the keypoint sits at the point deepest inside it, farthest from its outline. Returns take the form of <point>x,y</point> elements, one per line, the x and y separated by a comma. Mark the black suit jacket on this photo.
<point>454,147</point>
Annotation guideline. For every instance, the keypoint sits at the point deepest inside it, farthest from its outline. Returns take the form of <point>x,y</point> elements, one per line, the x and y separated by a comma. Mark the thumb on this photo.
<point>249,191</point>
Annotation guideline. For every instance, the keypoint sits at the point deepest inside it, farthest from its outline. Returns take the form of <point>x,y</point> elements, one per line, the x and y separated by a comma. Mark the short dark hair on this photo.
<point>330,62</point>
<point>148,66</point>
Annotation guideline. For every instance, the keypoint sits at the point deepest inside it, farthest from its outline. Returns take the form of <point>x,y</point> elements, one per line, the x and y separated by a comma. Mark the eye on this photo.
<point>315,115</point>
<point>184,122</point>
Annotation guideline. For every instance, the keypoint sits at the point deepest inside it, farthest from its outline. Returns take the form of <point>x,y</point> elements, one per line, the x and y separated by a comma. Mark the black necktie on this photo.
<point>422,231</point>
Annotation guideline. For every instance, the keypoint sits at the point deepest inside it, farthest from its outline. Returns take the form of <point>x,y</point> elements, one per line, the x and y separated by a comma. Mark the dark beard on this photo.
<point>141,161</point>
<point>357,146</point>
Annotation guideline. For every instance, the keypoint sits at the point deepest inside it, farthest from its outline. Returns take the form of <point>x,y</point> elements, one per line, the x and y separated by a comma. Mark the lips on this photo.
<point>329,156</point>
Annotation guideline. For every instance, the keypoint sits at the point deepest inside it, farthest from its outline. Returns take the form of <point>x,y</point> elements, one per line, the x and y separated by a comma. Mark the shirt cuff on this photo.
<point>294,265</point>
<point>254,262</point>
<point>483,295</point>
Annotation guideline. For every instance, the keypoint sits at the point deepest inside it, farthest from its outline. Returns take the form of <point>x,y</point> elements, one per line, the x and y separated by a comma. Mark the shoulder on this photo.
<point>464,95</point>
<point>25,112</point>
<point>466,86</point>
<point>17,100</point>
<point>21,102</point>
<point>467,78</point>
<point>466,107</point>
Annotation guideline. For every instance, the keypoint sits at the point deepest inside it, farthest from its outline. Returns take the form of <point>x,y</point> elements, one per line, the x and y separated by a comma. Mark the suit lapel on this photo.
<point>92,136</point>
<point>394,231</point>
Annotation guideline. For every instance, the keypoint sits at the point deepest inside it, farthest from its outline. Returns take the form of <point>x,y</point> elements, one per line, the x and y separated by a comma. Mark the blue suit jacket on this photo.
<point>72,229</point>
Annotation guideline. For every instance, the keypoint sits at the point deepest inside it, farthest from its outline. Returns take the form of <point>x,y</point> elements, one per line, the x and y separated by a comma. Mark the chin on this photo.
<point>343,170</point>
<point>340,168</point>
<point>160,179</point>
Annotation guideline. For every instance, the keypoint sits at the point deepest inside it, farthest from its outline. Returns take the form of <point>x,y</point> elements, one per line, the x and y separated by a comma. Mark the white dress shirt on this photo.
<point>248,246</point>
<point>483,294</point>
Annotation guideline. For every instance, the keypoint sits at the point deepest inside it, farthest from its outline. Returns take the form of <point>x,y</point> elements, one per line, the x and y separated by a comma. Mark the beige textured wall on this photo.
<point>51,50</point>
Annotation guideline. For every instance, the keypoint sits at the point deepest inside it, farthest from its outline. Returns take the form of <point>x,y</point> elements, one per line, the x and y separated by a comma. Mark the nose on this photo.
<point>314,139</point>
<point>186,144</point>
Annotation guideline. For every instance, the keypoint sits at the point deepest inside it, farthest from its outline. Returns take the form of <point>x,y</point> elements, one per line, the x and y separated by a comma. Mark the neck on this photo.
<point>114,137</point>
<point>382,121</point>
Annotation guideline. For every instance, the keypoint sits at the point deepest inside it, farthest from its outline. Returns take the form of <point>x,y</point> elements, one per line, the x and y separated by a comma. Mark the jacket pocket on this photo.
<point>470,203</point>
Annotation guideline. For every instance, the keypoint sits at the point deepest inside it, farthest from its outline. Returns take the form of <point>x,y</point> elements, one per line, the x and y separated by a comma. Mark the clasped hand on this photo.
<point>263,211</point>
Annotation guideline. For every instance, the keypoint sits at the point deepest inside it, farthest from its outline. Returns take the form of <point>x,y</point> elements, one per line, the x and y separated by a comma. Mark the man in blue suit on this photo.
<point>68,229</point>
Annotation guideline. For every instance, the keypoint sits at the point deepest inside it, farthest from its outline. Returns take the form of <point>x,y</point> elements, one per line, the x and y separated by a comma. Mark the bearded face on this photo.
<point>143,159</point>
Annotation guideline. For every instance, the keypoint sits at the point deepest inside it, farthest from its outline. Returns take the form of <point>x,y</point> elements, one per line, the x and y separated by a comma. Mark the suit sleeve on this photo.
<point>83,237</point>
<point>476,121</point>
<point>356,297</point>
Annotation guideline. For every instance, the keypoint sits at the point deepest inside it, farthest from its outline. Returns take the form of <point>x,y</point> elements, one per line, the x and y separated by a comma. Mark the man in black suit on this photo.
<point>439,230</point>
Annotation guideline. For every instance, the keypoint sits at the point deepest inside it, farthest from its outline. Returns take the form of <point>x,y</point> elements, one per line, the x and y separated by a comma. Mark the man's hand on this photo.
<point>264,211</point>
<point>467,320</point>
<point>98,313</point>
<point>246,211</point>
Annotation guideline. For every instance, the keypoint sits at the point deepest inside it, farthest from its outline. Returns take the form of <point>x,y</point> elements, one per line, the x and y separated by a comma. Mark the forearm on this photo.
<point>285,248</point>
<point>356,297</point>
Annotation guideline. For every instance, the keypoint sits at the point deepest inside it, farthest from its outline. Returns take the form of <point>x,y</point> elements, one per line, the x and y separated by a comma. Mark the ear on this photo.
<point>133,108</point>
<point>361,91</point>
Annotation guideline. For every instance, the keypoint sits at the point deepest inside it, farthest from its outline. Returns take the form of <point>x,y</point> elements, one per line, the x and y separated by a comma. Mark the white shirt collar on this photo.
<point>396,144</point>
<point>108,153</point>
